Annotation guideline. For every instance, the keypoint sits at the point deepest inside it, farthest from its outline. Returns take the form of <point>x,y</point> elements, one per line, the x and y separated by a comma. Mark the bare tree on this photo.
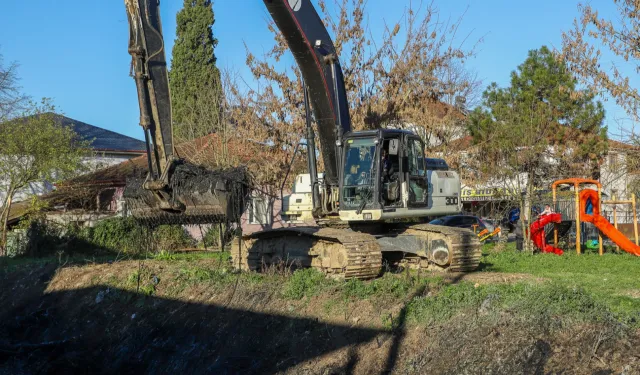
<point>592,38</point>
<point>403,78</point>
<point>600,52</point>
<point>11,98</point>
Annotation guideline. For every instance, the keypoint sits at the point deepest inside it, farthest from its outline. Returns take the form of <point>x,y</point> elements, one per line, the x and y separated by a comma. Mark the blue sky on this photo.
<point>75,51</point>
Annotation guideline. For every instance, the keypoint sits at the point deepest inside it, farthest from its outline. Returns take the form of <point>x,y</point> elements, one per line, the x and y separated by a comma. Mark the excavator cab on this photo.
<point>391,178</point>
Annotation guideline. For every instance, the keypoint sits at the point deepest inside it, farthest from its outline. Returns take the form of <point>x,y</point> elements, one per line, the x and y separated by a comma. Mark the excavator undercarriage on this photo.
<point>349,253</point>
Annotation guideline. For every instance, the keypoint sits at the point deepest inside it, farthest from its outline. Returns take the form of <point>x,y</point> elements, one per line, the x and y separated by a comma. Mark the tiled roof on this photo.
<point>202,151</point>
<point>617,145</point>
<point>102,139</point>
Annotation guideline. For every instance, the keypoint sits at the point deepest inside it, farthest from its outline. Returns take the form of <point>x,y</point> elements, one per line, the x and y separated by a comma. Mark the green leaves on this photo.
<point>194,78</point>
<point>35,148</point>
<point>542,114</point>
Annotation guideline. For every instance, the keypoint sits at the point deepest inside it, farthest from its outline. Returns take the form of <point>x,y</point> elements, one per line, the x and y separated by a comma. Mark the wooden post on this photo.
<point>555,225</point>
<point>635,217</point>
<point>600,250</point>
<point>615,217</point>
<point>221,236</point>
<point>576,188</point>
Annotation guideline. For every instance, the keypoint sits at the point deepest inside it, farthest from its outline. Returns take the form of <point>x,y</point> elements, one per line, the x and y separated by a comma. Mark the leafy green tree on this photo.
<point>540,128</point>
<point>34,148</point>
<point>194,79</point>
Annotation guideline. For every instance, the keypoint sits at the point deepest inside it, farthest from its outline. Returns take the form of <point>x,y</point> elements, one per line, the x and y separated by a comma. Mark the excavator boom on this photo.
<point>317,59</point>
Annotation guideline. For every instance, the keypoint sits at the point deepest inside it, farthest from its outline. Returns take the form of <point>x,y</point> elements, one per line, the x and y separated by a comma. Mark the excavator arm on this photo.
<point>174,191</point>
<point>149,69</point>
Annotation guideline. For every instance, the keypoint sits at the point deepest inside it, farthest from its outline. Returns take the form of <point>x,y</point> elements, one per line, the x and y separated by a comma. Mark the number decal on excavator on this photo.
<point>451,201</point>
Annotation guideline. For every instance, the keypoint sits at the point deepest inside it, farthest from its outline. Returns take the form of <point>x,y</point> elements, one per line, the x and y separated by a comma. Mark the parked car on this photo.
<point>462,221</point>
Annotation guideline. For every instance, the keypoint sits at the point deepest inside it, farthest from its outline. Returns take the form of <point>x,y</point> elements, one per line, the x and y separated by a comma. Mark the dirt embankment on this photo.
<point>161,317</point>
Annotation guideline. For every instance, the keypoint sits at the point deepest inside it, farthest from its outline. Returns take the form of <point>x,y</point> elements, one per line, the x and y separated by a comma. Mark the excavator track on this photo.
<point>464,249</point>
<point>336,252</point>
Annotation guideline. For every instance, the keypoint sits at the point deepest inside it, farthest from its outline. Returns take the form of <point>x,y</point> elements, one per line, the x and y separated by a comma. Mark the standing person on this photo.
<point>386,166</point>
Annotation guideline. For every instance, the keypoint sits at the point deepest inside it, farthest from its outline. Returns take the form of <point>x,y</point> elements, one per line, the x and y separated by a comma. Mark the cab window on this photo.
<point>415,154</point>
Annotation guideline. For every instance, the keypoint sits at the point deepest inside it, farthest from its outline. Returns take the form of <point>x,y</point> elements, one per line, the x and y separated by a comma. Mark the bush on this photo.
<point>44,238</point>
<point>120,234</point>
<point>211,237</point>
<point>172,237</point>
<point>109,235</point>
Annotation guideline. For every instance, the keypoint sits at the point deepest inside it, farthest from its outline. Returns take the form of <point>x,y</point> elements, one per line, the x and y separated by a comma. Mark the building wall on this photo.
<point>616,180</point>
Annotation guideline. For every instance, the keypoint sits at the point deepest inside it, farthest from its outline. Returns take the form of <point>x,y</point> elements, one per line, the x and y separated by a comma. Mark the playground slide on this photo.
<point>590,212</point>
<point>563,227</point>
<point>537,233</point>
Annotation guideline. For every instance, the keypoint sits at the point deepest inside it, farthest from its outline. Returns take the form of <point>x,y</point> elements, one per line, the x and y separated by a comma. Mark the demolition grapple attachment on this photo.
<point>195,195</point>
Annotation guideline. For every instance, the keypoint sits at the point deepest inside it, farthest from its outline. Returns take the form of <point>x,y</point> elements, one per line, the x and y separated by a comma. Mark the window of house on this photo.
<point>258,214</point>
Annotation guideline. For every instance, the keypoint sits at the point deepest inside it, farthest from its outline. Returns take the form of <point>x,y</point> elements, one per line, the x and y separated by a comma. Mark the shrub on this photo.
<point>211,237</point>
<point>172,237</point>
<point>120,234</point>
<point>44,238</point>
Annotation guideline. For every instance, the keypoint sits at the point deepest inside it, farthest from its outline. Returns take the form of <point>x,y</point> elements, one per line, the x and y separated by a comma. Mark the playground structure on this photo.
<point>536,232</point>
<point>587,209</point>
<point>632,202</point>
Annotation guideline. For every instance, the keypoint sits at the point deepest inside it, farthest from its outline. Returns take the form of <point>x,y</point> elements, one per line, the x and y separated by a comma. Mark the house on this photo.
<point>107,148</point>
<point>617,173</point>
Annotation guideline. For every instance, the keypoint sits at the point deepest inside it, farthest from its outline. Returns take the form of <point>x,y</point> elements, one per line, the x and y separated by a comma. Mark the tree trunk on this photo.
<point>529,205</point>
<point>5,219</point>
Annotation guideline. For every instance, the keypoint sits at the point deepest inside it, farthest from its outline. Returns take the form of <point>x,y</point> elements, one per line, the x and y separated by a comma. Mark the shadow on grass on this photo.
<point>102,330</point>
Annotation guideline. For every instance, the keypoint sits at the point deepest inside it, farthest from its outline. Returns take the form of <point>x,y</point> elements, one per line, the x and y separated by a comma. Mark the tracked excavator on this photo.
<point>173,191</point>
<point>376,185</point>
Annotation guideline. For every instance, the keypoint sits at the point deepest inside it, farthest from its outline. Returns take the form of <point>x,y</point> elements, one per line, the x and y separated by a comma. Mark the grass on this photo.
<point>543,303</point>
<point>586,288</point>
<point>611,278</point>
<point>11,264</point>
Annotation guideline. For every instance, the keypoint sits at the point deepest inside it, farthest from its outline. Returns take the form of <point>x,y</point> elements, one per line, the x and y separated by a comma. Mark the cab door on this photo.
<point>415,173</point>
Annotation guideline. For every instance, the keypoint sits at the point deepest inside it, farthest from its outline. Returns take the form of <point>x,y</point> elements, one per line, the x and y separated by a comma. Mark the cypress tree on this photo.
<point>194,78</point>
